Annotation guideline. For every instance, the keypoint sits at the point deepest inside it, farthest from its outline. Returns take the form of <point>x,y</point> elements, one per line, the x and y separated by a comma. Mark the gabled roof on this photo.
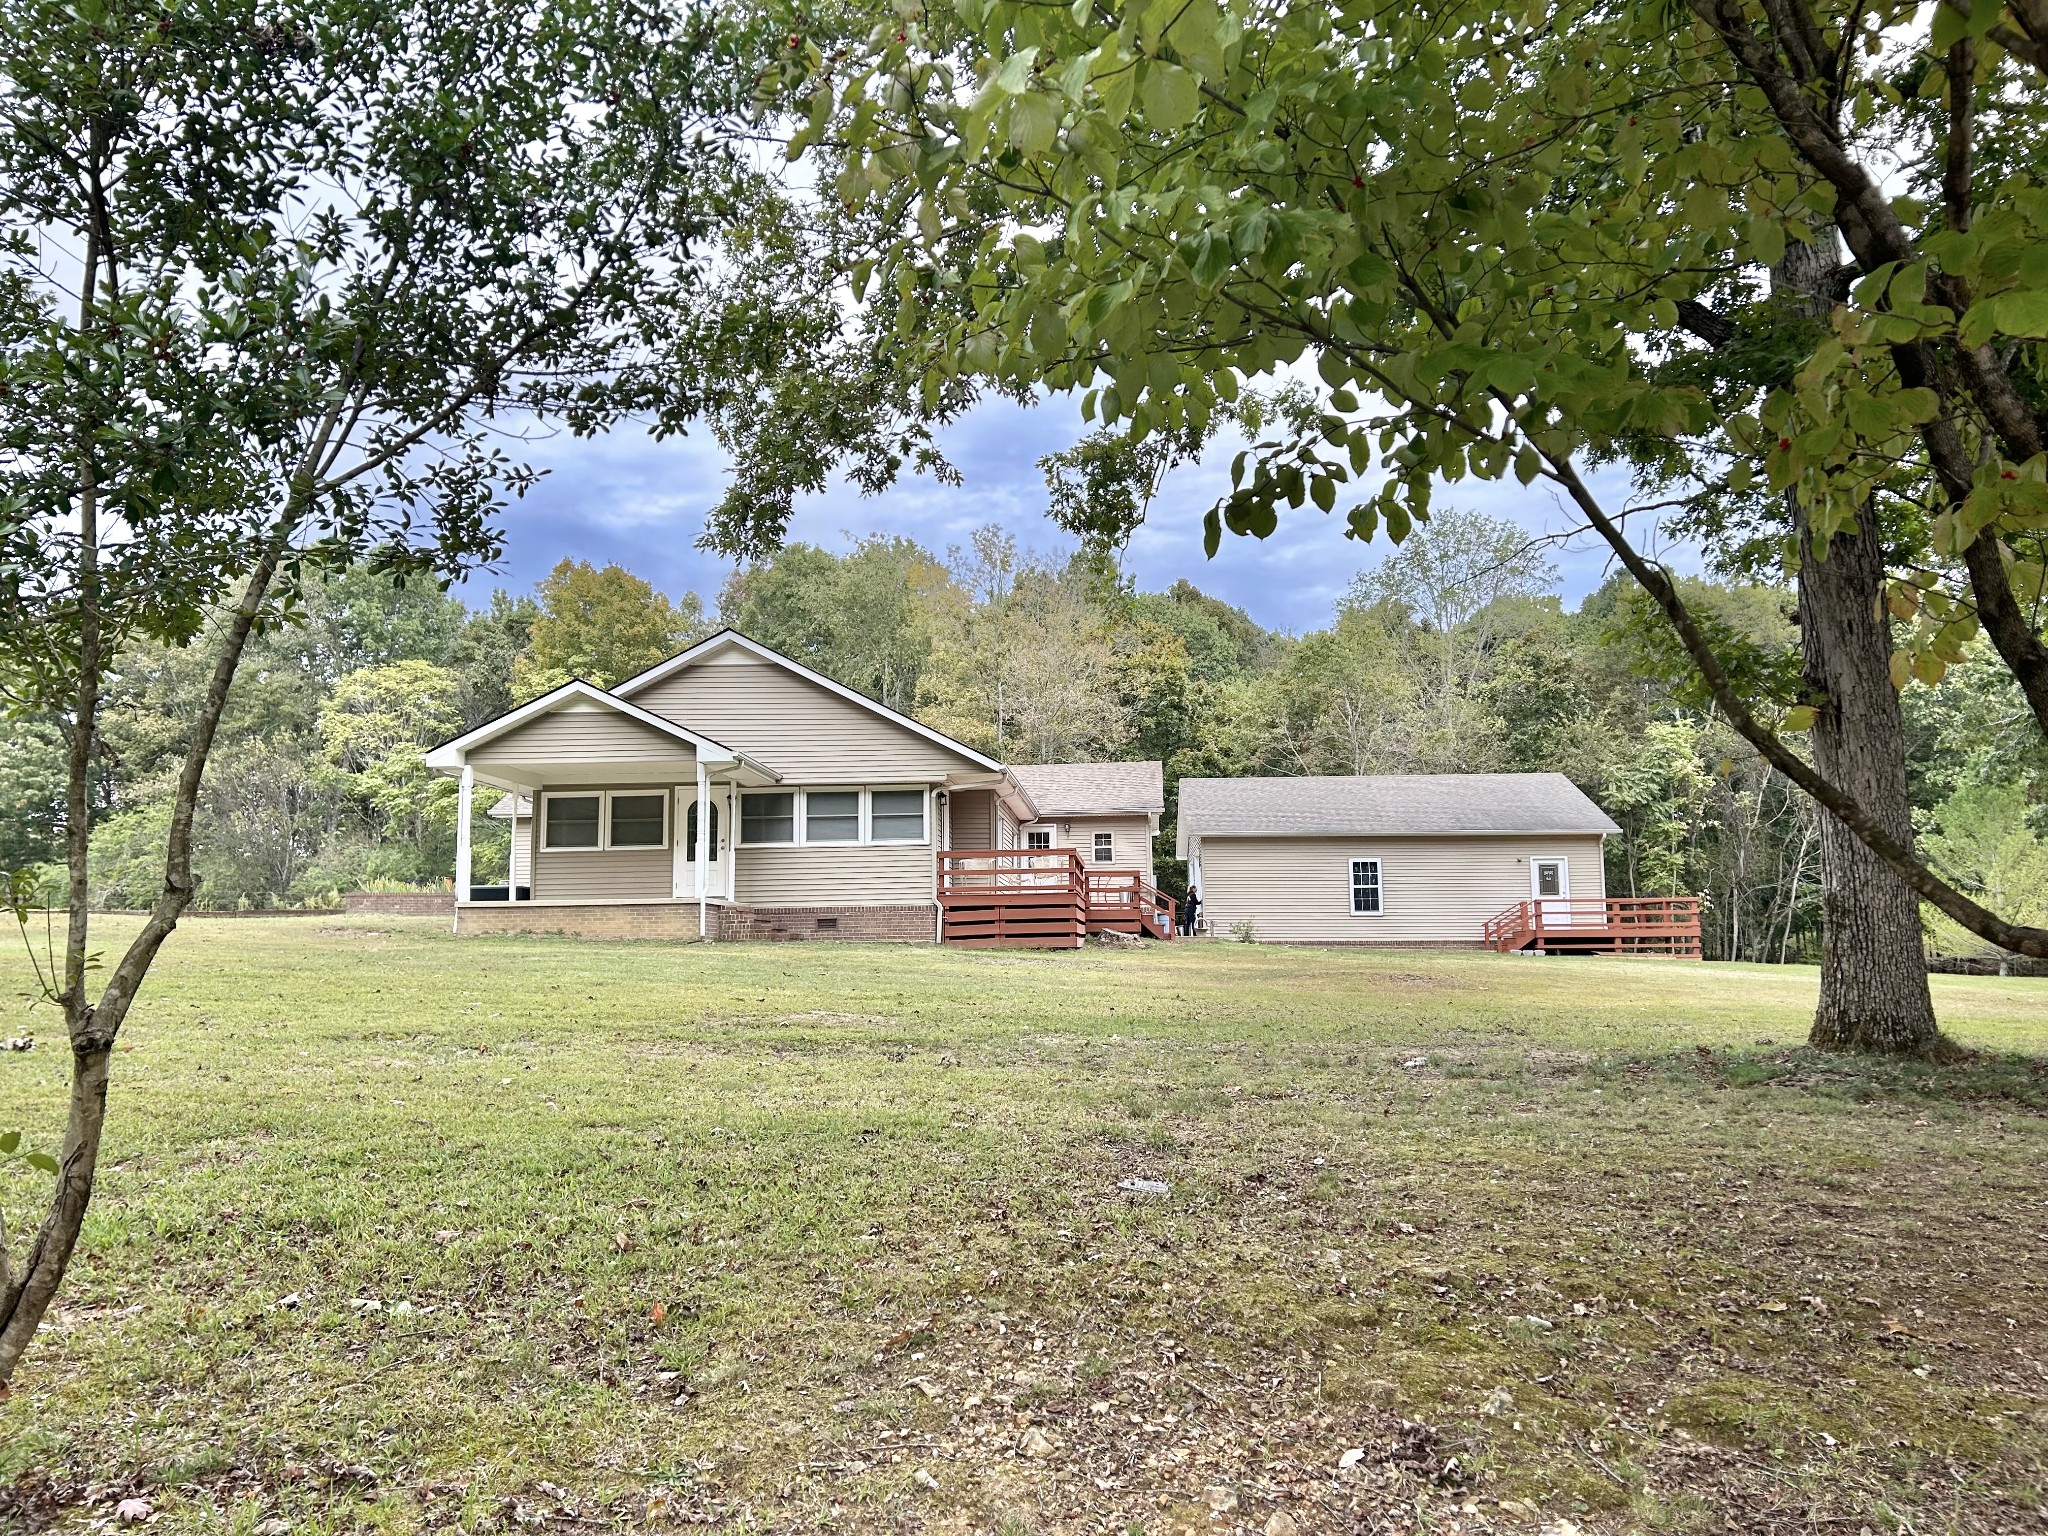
<point>733,638</point>
<point>450,754</point>
<point>1387,805</point>
<point>1094,789</point>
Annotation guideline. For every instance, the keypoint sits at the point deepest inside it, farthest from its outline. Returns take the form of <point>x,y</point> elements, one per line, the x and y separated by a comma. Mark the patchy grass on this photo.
<point>397,1232</point>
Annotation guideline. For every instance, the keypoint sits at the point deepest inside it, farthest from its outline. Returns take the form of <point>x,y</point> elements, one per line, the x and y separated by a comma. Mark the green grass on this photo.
<point>398,1232</point>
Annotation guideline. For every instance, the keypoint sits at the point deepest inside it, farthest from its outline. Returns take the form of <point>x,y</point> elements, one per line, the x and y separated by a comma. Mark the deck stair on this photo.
<point>1599,925</point>
<point>1043,898</point>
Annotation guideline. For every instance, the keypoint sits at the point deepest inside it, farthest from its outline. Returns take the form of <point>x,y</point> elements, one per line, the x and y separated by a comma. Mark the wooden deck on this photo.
<point>1043,898</point>
<point>1597,925</point>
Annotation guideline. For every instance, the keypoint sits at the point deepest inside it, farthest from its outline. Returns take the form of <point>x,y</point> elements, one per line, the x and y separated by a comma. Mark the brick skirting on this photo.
<point>866,925</point>
<point>678,921</point>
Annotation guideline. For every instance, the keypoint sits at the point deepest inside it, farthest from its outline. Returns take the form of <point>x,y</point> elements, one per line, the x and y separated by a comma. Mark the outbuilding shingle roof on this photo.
<point>1386,805</point>
<point>1094,789</point>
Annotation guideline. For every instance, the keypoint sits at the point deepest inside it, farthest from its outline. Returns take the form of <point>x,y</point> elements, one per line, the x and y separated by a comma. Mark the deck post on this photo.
<point>464,798</point>
<point>697,852</point>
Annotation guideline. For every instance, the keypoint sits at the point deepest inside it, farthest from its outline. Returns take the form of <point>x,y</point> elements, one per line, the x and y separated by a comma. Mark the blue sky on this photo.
<point>629,499</point>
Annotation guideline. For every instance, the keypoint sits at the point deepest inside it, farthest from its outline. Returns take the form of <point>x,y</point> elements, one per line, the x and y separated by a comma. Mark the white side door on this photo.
<point>1550,883</point>
<point>717,870</point>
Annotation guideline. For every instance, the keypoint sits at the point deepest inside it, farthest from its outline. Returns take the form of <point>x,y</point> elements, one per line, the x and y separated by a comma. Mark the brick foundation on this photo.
<point>673,921</point>
<point>909,924</point>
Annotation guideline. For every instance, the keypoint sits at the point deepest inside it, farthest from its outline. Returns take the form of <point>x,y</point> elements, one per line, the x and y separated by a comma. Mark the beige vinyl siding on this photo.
<point>604,874</point>
<point>806,733</point>
<point>580,735</point>
<point>1007,833</point>
<point>608,874</point>
<point>1130,845</point>
<point>1433,889</point>
<point>870,875</point>
<point>973,818</point>
<point>522,849</point>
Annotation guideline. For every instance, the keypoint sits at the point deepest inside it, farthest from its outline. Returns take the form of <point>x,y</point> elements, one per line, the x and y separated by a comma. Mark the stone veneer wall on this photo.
<point>678,921</point>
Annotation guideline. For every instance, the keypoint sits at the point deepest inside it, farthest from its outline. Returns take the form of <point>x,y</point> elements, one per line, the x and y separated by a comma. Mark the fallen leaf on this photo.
<point>133,1511</point>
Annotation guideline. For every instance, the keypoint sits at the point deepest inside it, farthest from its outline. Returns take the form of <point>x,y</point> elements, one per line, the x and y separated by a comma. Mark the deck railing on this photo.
<point>1611,924</point>
<point>1115,892</point>
<point>1047,897</point>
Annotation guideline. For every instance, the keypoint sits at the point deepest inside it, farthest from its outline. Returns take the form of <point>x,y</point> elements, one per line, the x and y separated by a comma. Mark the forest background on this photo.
<point>1456,654</point>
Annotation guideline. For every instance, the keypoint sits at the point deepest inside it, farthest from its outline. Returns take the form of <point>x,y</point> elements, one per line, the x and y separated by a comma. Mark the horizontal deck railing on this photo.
<point>1117,891</point>
<point>1666,924</point>
<point>1044,895</point>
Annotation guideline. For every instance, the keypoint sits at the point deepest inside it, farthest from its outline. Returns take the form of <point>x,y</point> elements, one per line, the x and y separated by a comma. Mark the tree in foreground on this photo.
<point>1526,242</point>
<point>277,280</point>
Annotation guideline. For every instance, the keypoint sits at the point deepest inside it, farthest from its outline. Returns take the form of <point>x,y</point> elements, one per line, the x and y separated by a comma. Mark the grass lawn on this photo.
<point>397,1232</point>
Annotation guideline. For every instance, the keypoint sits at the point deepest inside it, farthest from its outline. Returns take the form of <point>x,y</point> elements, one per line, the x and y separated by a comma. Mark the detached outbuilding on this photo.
<point>1401,859</point>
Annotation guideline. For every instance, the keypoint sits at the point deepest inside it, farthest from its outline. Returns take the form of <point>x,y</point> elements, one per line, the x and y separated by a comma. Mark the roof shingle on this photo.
<point>1094,789</point>
<point>1386,805</point>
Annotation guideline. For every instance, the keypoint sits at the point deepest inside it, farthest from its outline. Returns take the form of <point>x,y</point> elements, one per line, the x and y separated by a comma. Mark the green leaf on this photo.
<point>1034,123</point>
<point>2022,313</point>
<point>1798,718</point>
<point>41,1160</point>
<point>1014,78</point>
<point>1170,95</point>
<point>9,1140</point>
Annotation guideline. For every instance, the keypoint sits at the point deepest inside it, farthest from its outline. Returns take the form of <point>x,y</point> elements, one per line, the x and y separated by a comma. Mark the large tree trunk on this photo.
<point>1873,967</point>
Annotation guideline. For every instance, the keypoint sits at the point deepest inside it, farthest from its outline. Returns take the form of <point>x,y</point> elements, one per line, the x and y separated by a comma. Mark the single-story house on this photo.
<point>731,792</point>
<point>1401,859</point>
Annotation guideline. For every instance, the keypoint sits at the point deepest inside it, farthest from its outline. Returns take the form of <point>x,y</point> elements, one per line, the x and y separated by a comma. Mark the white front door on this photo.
<point>716,870</point>
<point>1552,878</point>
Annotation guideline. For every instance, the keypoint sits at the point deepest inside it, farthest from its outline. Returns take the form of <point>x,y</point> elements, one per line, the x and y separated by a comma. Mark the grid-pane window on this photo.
<point>896,815</point>
<point>1105,847</point>
<point>832,816</point>
<point>768,818</point>
<point>639,821</point>
<point>1365,886</point>
<point>573,821</point>
<point>1038,838</point>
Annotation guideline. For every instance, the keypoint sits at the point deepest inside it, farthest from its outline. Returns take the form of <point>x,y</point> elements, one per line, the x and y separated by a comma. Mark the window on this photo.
<point>896,815</point>
<point>831,815</point>
<point>1549,878</point>
<point>639,821</point>
<point>1038,838</point>
<point>573,821</point>
<point>1105,847</point>
<point>768,818</point>
<point>1365,887</point>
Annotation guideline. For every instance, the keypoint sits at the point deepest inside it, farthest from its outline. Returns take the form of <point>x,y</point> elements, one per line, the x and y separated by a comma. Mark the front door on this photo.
<point>1552,878</point>
<point>716,884</point>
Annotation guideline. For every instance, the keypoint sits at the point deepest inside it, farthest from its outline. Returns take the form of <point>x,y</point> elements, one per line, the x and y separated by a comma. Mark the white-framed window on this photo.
<point>572,822</point>
<point>1038,837</point>
<point>637,820</point>
<point>1105,847</point>
<point>1365,888</point>
<point>896,815</point>
<point>589,821</point>
<point>768,816</point>
<point>831,815</point>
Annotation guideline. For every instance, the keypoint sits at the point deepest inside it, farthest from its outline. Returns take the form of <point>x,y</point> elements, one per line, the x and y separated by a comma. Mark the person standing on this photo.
<point>1190,912</point>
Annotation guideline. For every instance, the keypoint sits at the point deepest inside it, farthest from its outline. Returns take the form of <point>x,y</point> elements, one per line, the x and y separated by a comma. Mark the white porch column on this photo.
<point>512,853</point>
<point>697,852</point>
<point>463,804</point>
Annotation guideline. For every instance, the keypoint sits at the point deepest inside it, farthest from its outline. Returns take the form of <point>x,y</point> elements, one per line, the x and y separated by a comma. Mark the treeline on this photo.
<point>1455,655</point>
